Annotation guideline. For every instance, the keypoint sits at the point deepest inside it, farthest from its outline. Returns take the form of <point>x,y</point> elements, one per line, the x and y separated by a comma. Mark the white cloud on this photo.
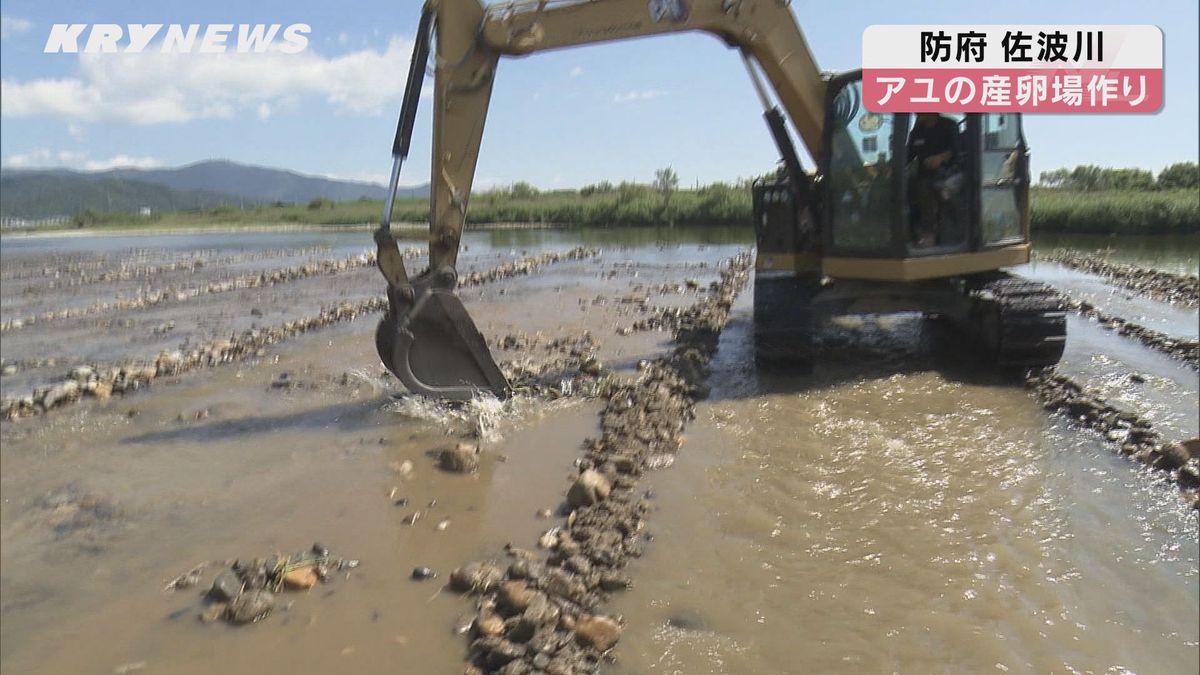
<point>156,88</point>
<point>638,95</point>
<point>122,161</point>
<point>576,71</point>
<point>41,157</point>
<point>76,131</point>
<point>11,25</point>
<point>264,111</point>
<point>46,158</point>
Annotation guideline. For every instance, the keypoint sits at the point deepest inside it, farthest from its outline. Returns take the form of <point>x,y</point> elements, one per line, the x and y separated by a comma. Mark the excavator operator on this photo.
<point>935,176</point>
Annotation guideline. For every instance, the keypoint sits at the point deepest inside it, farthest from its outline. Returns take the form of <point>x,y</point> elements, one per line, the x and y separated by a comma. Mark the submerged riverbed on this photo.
<point>898,510</point>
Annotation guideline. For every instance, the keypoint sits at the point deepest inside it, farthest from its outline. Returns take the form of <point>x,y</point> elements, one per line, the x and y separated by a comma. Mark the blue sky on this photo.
<point>560,119</point>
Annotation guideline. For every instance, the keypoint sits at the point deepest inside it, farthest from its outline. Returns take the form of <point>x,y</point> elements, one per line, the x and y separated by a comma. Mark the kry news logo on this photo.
<point>215,38</point>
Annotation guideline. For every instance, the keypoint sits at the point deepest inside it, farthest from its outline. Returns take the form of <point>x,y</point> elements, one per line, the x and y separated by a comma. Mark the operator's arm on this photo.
<point>935,161</point>
<point>946,137</point>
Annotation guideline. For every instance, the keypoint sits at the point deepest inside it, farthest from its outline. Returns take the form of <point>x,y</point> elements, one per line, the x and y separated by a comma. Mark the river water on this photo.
<point>896,511</point>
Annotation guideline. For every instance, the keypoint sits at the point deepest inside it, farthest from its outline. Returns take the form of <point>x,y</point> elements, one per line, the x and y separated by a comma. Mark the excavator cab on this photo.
<point>864,203</point>
<point>872,209</point>
<point>851,238</point>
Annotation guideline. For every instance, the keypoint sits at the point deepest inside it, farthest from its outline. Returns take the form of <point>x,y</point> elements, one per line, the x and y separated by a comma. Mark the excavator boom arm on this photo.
<point>427,338</point>
<point>471,38</point>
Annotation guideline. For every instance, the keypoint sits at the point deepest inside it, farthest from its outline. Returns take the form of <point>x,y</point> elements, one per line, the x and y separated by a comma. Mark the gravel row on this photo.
<point>154,297</point>
<point>127,272</point>
<point>1184,349</point>
<point>72,271</point>
<point>1181,289</point>
<point>101,381</point>
<point>543,612</point>
<point>1131,433</point>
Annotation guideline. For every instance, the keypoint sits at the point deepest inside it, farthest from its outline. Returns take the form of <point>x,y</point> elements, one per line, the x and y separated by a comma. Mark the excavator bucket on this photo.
<point>427,339</point>
<point>431,344</point>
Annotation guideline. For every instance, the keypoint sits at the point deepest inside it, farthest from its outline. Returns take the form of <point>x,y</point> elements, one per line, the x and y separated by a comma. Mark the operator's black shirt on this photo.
<point>925,141</point>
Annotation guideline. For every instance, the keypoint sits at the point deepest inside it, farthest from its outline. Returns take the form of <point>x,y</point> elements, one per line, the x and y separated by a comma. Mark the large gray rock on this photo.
<point>463,458</point>
<point>599,632</point>
<point>590,488</point>
<point>251,606</point>
<point>476,578</point>
<point>226,586</point>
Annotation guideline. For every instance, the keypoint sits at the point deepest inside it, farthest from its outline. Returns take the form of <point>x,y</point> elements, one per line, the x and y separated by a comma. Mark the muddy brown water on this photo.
<point>897,511</point>
<point>931,520</point>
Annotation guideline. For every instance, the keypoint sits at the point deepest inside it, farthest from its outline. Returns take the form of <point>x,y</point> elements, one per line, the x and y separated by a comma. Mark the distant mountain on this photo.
<point>254,182</point>
<point>33,196</point>
<point>39,193</point>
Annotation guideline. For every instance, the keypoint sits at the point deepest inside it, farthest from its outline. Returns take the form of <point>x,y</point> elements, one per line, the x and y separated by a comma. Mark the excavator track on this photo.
<point>1019,323</point>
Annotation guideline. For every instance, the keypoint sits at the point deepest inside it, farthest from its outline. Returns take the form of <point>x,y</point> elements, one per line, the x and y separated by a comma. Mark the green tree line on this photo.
<point>1091,178</point>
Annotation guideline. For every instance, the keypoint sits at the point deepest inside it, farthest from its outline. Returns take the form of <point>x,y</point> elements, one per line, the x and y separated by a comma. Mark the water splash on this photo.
<point>378,382</point>
<point>484,417</point>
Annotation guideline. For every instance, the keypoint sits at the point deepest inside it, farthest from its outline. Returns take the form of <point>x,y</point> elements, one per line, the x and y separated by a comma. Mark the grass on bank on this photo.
<point>1116,212</point>
<point>1054,210</point>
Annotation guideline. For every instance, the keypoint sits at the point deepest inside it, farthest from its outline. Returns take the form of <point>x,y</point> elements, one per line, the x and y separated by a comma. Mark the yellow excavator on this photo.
<point>838,240</point>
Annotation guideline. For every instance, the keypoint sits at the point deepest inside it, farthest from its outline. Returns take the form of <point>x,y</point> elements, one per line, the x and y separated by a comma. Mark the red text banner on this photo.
<point>971,69</point>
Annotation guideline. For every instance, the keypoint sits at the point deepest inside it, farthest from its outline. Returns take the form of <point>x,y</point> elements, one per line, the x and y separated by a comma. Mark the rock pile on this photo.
<point>245,591</point>
<point>1184,349</point>
<point>1133,434</point>
<point>100,381</point>
<point>570,367</point>
<point>138,262</point>
<point>1182,289</point>
<point>569,345</point>
<point>662,318</point>
<point>525,266</point>
<point>545,614</point>
<point>72,510</point>
<point>78,273</point>
<point>153,297</point>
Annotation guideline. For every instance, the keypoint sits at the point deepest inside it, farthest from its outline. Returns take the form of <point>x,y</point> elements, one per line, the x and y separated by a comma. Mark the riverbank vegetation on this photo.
<point>1116,211</point>
<point>1086,199</point>
<point>1101,200</point>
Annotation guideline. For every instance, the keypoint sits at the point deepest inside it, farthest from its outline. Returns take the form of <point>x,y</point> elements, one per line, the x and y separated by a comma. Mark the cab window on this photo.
<point>999,214</point>
<point>860,193</point>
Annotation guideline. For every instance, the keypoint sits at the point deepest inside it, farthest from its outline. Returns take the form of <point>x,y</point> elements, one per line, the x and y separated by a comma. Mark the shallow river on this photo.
<point>897,511</point>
